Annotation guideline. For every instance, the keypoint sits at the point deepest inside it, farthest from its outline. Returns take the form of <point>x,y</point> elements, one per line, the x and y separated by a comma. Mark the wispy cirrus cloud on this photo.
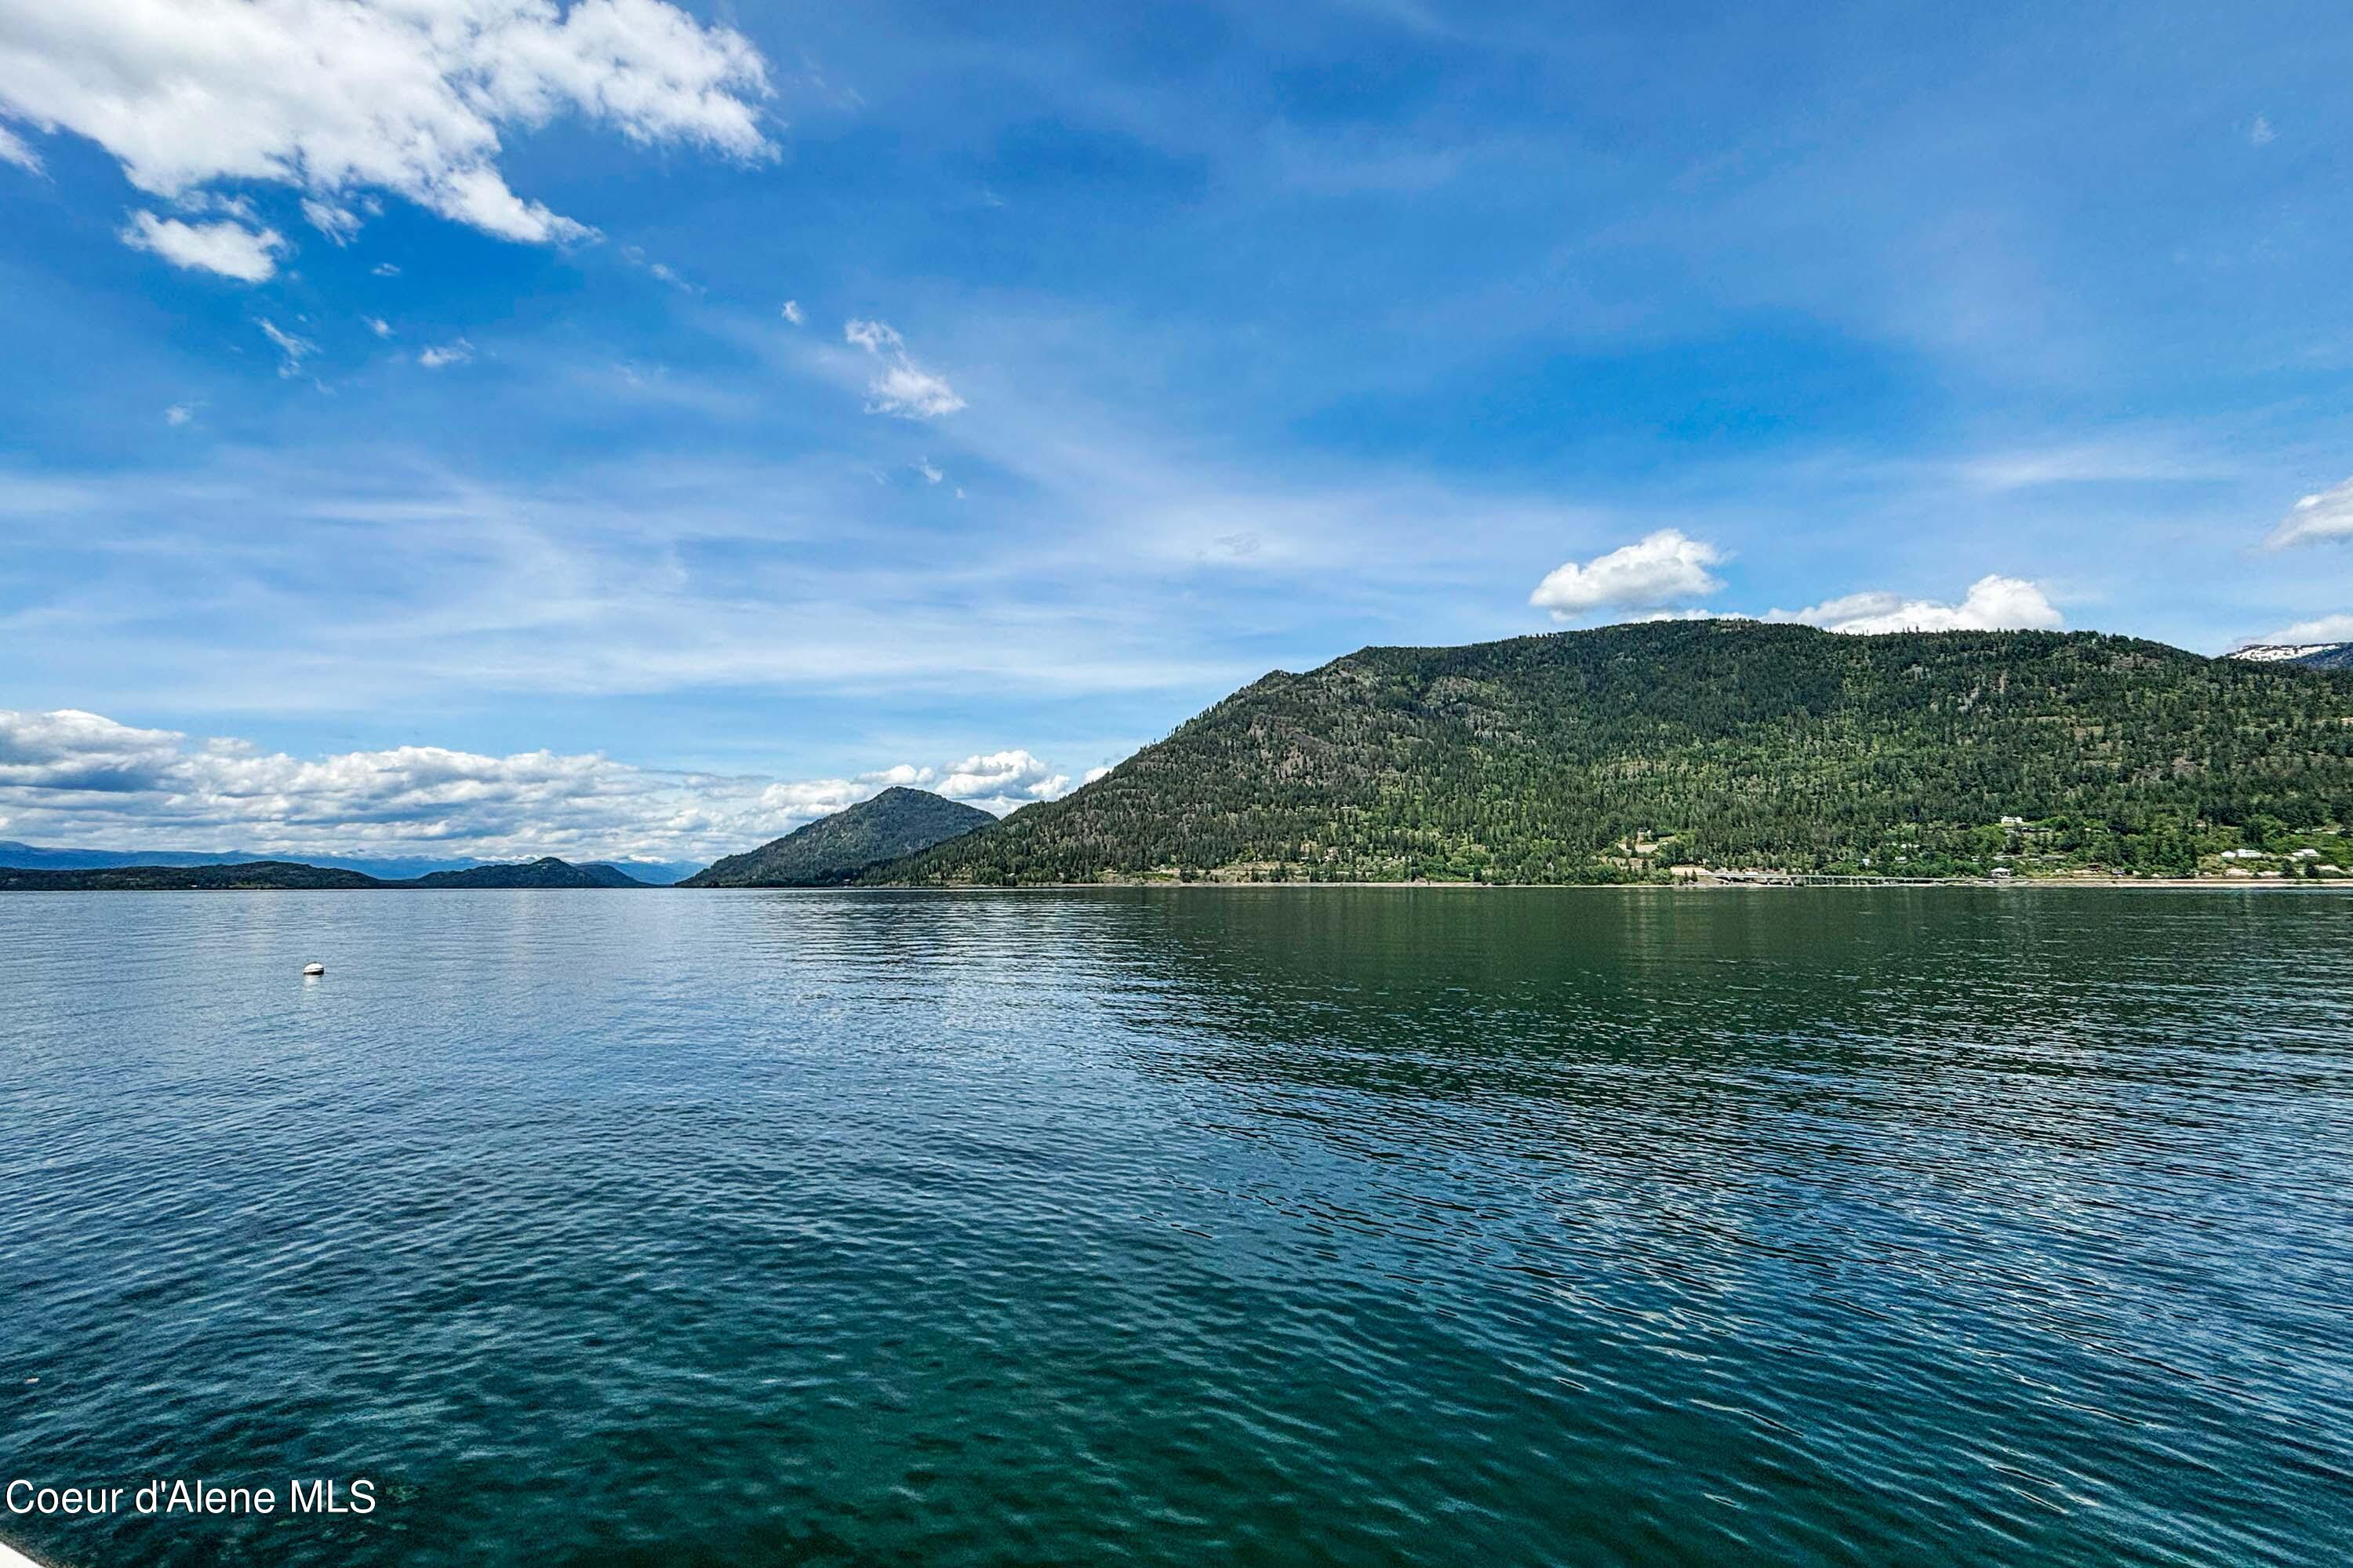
<point>292,348</point>
<point>13,150</point>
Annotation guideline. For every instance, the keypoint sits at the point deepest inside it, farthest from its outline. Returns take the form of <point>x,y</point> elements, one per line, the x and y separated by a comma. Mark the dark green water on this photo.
<point>1255,1226</point>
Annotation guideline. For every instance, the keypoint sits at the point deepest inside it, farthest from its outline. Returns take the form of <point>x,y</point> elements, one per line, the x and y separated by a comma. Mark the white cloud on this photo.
<point>291,350</point>
<point>331,219</point>
<point>385,269</point>
<point>455,353</point>
<point>378,326</point>
<point>912,393</point>
<point>228,248</point>
<point>932,475</point>
<point>793,313</point>
<point>2325,628</point>
<point>340,96</point>
<point>2325,516</point>
<point>13,150</point>
<point>77,777</point>
<point>662,271</point>
<point>1992,603</point>
<point>1662,570</point>
<point>2261,133</point>
<point>2134,460</point>
<point>901,386</point>
<point>179,413</point>
<point>1095,773</point>
<point>1000,781</point>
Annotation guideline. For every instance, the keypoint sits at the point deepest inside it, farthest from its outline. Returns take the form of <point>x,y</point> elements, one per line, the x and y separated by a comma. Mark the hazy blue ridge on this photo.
<point>391,868</point>
<point>250,875</point>
<point>548,872</point>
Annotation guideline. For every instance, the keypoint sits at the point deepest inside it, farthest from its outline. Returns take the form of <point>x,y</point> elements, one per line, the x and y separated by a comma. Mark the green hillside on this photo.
<point>546,872</point>
<point>1624,752</point>
<point>835,849</point>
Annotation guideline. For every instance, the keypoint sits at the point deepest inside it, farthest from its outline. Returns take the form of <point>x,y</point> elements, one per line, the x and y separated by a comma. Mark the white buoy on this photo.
<point>314,968</point>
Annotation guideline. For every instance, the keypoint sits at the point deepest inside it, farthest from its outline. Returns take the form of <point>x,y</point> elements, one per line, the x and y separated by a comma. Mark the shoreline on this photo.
<point>2176,883</point>
<point>1761,883</point>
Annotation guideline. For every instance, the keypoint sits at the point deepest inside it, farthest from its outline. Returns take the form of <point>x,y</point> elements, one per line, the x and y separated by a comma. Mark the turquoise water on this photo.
<point>1186,1226</point>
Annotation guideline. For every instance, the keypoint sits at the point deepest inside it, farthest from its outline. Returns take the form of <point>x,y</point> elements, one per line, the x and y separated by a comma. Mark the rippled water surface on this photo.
<point>1188,1226</point>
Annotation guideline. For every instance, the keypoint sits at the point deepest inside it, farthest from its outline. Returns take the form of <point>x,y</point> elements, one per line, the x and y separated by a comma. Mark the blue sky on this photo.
<point>405,444</point>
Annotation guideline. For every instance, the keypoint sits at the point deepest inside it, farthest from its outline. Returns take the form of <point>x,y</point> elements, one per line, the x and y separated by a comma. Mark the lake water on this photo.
<point>1186,1226</point>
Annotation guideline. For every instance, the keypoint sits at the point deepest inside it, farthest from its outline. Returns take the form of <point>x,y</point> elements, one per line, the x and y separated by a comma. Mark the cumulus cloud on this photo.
<point>179,413</point>
<point>70,749</point>
<point>1664,569</point>
<point>440,354</point>
<point>228,248</point>
<point>2325,516</point>
<point>337,98</point>
<point>378,326</point>
<point>793,313</point>
<point>929,470</point>
<point>2325,628</point>
<point>291,350</point>
<point>1001,780</point>
<point>900,387</point>
<point>80,779</point>
<point>1993,603</point>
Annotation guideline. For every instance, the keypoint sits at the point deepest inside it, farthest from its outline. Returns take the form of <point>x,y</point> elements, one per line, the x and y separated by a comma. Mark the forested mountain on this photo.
<point>1623,752</point>
<point>898,821</point>
<point>546,872</point>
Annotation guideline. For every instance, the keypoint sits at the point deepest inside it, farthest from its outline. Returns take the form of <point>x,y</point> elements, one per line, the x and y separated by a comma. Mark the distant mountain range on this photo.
<point>292,875</point>
<point>1623,752</point>
<point>2313,655</point>
<point>31,857</point>
<point>897,822</point>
